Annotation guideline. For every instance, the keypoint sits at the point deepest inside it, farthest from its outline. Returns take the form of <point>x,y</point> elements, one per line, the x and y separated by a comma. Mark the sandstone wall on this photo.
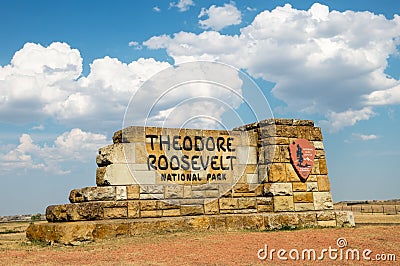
<point>225,157</point>
<point>262,166</point>
<point>178,174</point>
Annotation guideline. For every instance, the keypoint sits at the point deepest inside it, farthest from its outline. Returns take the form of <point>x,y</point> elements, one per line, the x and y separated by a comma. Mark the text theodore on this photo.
<point>194,144</point>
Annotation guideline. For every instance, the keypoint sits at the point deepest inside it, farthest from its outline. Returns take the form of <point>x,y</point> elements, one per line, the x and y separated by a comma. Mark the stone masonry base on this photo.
<point>74,233</point>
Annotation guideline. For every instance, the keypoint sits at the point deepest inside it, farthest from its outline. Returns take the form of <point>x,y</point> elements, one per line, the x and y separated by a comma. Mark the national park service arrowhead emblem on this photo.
<point>302,153</point>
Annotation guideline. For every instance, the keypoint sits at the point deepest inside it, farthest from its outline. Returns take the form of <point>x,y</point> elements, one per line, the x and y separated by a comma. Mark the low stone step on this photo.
<point>74,233</point>
<point>134,209</point>
<point>168,192</point>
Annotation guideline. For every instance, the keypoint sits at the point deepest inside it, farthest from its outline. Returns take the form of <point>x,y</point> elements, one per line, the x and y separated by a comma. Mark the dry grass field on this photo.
<point>206,248</point>
<point>371,206</point>
<point>377,218</point>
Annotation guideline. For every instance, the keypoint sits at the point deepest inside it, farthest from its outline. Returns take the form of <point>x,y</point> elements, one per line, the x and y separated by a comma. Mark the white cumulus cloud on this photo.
<point>182,5</point>
<point>135,45</point>
<point>47,82</point>
<point>384,97</point>
<point>189,92</point>
<point>337,121</point>
<point>72,146</point>
<point>219,17</point>
<point>364,137</point>
<point>323,62</point>
<point>37,76</point>
<point>97,102</point>
<point>39,127</point>
<point>208,45</point>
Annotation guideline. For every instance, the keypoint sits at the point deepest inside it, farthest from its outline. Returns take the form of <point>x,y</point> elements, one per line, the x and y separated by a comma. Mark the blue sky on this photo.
<point>68,69</point>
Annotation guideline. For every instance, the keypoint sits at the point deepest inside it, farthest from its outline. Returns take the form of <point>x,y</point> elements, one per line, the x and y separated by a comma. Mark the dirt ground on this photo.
<point>208,248</point>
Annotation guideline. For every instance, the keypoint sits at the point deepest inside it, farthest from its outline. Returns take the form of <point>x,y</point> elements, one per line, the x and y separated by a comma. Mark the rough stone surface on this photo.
<point>148,189</point>
<point>124,174</point>
<point>253,222</point>
<point>191,201</point>
<point>345,219</point>
<point>100,173</point>
<point>149,205</point>
<point>64,233</point>
<point>291,175</point>
<point>92,194</point>
<point>326,216</point>
<point>276,172</point>
<point>319,145</point>
<point>74,212</point>
<point>247,203</point>
<point>303,197</point>
<point>115,213</point>
<point>171,212</point>
<point>134,209</point>
<point>108,230</point>
<point>70,233</point>
<point>261,190</point>
<point>247,155</point>
<point>173,192</point>
<point>312,186</point>
<point>265,208</point>
<point>234,222</point>
<point>151,196</point>
<point>133,192</point>
<point>151,214</point>
<point>119,153</point>
<point>299,207</point>
<point>298,122</point>
<point>331,223</point>
<point>199,223</point>
<point>264,200</point>
<point>323,170</point>
<point>283,203</point>
<point>278,189</point>
<point>307,219</point>
<point>192,210</point>
<point>299,187</point>
<point>211,206</point>
<point>121,193</point>
<point>323,183</point>
<point>218,223</point>
<point>323,201</point>
<point>228,203</point>
<point>316,134</point>
<point>130,134</point>
<point>277,221</point>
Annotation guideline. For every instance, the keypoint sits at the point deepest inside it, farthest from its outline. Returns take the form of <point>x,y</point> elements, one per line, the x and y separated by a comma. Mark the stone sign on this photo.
<point>259,176</point>
<point>151,155</point>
